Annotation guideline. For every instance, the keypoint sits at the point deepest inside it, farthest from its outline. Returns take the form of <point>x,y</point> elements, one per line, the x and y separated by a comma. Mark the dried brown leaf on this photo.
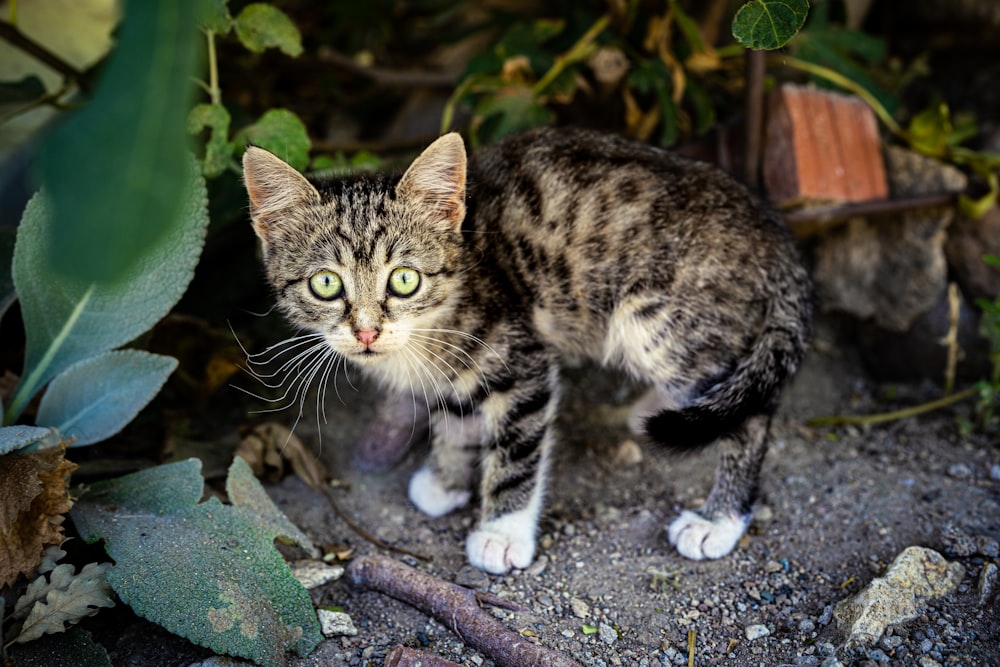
<point>270,446</point>
<point>33,498</point>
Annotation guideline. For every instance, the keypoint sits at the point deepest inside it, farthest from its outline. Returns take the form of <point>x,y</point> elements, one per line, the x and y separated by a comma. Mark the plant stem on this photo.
<point>27,387</point>
<point>866,420</point>
<point>214,92</point>
<point>575,53</point>
<point>844,82</point>
<point>13,36</point>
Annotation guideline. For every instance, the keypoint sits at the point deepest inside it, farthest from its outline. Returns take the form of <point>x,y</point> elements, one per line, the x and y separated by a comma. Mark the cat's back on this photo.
<point>581,221</point>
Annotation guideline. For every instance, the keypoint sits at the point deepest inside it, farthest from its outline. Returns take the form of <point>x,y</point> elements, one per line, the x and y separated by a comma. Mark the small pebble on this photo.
<point>607,634</point>
<point>336,623</point>
<point>472,577</point>
<point>313,574</point>
<point>959,470</point>
<point>806,625</point>
<point>926,661</point>
<point>757,631</point>
<point>995,472</point>
<point>580,608</point>
<point>926,646</point>
<point>538,566</point>
<point>989,578</point>
<point>891,643</point>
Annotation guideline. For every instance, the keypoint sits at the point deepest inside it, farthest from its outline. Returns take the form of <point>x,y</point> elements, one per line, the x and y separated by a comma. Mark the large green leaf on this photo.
<point>67,319</point>
<point>769,24</point>
<point>95,398</point>
<point>206,571</point>
<point>281,132</point>
<point>114,171</point>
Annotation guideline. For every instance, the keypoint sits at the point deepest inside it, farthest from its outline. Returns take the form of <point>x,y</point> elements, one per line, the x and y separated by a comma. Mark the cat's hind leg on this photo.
<point>714,530</point>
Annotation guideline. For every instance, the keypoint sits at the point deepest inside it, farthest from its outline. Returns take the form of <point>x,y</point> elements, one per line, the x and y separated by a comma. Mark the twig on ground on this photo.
<point>867,420</point>
<point>456,608</point>
<point>325,490</point>
<point>403,656</point>
<point>951,338</point>
<point>811,221</point>
<point>755,70</point>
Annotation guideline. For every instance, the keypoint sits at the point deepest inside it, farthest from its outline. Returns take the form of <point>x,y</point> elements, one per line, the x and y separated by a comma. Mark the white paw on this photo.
<point>431,498</point>
<point>698,538</point>
<point>504,543</point>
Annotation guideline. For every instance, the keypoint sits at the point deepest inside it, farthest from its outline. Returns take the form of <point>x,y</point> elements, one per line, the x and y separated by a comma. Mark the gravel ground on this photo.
<point>836,507</point>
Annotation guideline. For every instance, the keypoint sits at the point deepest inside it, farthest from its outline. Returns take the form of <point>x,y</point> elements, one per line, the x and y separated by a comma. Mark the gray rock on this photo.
<point>336,623</point>
<point>893,269</point>
<point>916,575</point>
<point>755,631</point>
<point>473,578</point>
<point>987,587</point>
<point>607,634</point>
<point>313,574</point>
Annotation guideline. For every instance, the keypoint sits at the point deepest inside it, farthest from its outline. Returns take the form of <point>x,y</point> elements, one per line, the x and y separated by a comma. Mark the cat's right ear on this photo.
<point>274,187</point>
<point>436,180</point>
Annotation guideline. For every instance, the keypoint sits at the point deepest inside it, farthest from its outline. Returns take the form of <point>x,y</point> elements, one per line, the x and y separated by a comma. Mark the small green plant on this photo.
<point>988,389</point>
<point>258,26</point>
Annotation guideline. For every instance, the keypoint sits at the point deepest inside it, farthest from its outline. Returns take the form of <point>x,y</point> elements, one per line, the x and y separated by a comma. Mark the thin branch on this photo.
<point>353,525</point>
<point>390,78</point>
<point>756,64</point>
<point>868,420</point>
<point>810,221</point>
<point>12,35</point>
<point>456,608</point>
<point>403,656</point>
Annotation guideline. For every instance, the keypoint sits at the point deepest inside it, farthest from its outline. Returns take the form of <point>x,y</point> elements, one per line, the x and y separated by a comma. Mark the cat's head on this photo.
<point>366,261</point>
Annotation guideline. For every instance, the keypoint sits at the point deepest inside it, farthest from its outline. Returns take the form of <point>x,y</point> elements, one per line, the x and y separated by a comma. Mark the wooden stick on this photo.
<point>456,608</point>
<point>403,656</point>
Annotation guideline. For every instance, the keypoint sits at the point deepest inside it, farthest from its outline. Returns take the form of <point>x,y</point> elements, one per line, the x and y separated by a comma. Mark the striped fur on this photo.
<point>549,244</point>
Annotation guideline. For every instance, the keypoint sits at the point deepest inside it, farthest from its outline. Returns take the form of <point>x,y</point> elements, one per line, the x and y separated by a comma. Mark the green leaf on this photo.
<point>114,171</point>
<point>218,148</point>
<point>216,17</point>
<point>95,398</point>
<point>261,26</point>
<point>930,129</point>
<point>20,436</point>
<point>589,629</point>
<point>205,571</point>
<point>769,24</point>
<point>67,320</point>
<point>510,110</point>
<point>281,132</point>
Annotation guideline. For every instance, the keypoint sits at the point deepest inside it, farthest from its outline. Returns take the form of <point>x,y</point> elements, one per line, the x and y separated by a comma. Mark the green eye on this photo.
<point>404,281</point>
<point>326,285</point>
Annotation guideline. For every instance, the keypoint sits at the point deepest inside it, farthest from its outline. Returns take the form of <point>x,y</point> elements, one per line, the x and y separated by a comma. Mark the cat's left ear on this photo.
<point>274,188</point>
<point>436,180</point>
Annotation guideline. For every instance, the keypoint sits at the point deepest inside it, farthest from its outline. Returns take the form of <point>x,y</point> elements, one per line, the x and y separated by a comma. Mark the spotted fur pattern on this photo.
<point>549,244</point>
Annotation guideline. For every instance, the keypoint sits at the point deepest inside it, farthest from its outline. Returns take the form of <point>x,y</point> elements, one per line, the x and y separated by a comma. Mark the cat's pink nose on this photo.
<point>366,336</point>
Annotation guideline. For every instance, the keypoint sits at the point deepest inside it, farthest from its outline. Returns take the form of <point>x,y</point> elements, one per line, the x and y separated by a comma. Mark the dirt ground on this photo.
<point>836,506</point>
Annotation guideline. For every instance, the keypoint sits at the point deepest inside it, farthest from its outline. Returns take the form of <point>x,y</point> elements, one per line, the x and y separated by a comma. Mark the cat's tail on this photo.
<point>751,389</point>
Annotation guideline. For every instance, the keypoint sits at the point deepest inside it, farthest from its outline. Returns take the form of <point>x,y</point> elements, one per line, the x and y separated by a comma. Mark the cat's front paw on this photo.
<point>502,544</point>
<point>699,538</point>
<point>431,498</point>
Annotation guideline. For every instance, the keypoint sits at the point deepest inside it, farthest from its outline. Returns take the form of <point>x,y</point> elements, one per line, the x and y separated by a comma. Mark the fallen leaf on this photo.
<point>269,446</point>
<point>65,597</point>
<point>33,498</point>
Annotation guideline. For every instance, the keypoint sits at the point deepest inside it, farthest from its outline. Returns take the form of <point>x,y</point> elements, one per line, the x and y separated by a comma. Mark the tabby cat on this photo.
<point>464,283</point>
